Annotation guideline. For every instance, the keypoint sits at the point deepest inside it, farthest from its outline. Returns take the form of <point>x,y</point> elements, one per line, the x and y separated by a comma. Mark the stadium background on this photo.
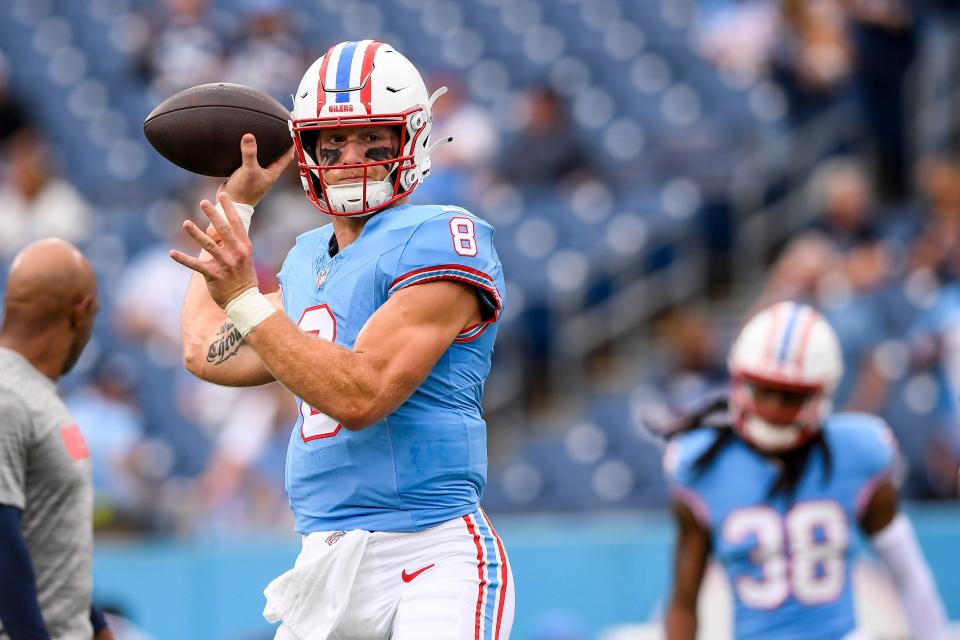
<point>655,169</point>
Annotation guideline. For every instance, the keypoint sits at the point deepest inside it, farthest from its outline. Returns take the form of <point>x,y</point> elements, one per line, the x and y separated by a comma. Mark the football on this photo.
<point>199,129</point>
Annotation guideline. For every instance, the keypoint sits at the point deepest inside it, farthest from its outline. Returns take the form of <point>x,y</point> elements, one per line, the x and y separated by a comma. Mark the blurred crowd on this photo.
<point>879,253</point>
<point>886,280</point>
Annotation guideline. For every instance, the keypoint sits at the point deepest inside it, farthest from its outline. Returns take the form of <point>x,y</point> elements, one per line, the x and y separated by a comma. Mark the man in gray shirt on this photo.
<point>46,496</point>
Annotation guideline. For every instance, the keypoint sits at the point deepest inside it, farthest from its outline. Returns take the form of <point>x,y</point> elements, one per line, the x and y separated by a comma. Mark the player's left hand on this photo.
<point>230,270</point>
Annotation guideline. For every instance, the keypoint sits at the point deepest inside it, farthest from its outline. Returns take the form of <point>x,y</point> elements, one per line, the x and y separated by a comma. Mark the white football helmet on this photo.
<point>356,84</point>
<point>787,347</point>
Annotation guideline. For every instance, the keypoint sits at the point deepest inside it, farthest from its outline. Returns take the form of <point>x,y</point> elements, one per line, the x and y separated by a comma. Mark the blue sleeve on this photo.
<point>881,446</point>
<point>872,444</point>
<point>679,461</point>
<point>19,607</point>
<point>865,451</point>
<point>455,246</point>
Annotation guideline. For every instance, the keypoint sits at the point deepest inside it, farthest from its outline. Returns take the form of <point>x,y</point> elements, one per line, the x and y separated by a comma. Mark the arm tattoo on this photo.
<point>225,345</point>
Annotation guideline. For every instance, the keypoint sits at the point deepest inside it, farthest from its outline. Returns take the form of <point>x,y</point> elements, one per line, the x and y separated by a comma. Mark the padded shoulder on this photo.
<point>447,243</point>
<point>682,453</point>
<point>862,444</point>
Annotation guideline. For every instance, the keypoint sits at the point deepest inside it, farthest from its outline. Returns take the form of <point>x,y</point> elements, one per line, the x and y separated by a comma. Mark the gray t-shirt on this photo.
<point>45,470</point>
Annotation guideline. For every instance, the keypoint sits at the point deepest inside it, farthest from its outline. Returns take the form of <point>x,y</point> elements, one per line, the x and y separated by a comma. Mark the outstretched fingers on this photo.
<point>206,243</point>
<point>219,222</point>
<point>200,266</point>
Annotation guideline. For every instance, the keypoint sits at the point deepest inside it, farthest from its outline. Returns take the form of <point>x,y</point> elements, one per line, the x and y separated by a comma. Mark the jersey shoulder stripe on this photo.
<point>458,272</point>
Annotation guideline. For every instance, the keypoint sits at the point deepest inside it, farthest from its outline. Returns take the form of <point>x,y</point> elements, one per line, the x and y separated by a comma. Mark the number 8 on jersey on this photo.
<point>464,236</point>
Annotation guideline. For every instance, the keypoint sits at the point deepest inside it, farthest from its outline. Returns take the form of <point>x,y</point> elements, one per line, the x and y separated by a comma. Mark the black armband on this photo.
<point>97,620</point>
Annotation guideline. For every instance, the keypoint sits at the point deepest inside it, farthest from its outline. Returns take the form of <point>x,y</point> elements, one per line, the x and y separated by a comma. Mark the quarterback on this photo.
<point>383,329</point>
<point>777,492</point>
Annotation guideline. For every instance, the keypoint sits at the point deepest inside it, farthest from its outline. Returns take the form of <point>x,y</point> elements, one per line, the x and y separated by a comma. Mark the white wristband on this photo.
<point>249,309</point>
<point>245,211</point>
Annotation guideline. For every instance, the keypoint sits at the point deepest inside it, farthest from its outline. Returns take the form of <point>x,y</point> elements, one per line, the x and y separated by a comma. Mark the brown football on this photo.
<point>199,129</point>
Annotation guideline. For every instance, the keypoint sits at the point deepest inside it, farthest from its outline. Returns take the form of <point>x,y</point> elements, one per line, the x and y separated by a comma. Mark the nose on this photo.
<point>352,151</point>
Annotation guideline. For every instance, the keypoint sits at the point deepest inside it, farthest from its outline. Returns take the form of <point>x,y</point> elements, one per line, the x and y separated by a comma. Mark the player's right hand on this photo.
<point>251,182</point>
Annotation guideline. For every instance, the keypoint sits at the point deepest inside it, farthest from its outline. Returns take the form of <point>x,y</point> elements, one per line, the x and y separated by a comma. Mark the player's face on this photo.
<point>778,406</point>
<point>355,145</point>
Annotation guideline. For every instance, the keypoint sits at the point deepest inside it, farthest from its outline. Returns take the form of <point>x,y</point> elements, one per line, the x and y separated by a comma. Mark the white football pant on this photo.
<point>449,582</point>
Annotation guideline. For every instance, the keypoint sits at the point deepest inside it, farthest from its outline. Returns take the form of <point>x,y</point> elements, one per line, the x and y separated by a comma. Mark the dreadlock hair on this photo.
<point>794,462</point>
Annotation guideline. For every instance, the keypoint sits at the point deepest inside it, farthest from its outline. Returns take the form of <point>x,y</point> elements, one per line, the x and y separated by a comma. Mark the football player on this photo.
<point>383,329</point>
<point>777,493</point>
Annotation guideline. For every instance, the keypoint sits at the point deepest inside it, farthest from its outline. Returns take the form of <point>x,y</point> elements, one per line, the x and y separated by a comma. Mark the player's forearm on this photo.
<point>329,377</point>
<point>681,623</point>
<point>213,349</point>
<point>200,319</point>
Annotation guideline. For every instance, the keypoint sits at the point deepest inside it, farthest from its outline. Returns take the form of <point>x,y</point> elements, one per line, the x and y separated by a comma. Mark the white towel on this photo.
<point>310,598</point>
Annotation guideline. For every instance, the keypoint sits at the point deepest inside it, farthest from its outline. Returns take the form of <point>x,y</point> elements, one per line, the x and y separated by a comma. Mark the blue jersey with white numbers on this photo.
<point>788,562</point>
<point>425,463</point>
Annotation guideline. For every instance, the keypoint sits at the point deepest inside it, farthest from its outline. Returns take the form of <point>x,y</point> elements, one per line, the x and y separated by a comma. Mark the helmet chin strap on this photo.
<point>347,198</point>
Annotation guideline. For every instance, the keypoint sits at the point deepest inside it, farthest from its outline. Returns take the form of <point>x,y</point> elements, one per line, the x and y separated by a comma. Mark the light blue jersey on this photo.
<point>788,562</point>
<point>425,463</point>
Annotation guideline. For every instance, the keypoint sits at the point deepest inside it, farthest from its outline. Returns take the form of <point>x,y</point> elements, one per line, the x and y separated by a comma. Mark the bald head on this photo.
<point>47,278</point>
<point>51,290</point>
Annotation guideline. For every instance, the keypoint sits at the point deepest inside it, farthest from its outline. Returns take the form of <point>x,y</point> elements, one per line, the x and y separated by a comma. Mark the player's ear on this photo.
<point>82,310</point>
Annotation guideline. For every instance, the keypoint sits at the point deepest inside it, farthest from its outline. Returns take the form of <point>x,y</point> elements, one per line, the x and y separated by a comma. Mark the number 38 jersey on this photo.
<point>788,562</point>
<point>425,463</point>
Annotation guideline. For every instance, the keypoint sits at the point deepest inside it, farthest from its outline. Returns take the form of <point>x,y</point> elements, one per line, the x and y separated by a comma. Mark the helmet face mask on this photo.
<point>352,199</point>
<point>779,406</point>
<point>773,418</point>
<point>362,84</point>
<point>785,366</point>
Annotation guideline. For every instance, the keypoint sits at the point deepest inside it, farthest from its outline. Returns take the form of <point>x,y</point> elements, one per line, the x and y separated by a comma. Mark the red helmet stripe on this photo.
<point>321,94</point>
<point>365,72</point>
